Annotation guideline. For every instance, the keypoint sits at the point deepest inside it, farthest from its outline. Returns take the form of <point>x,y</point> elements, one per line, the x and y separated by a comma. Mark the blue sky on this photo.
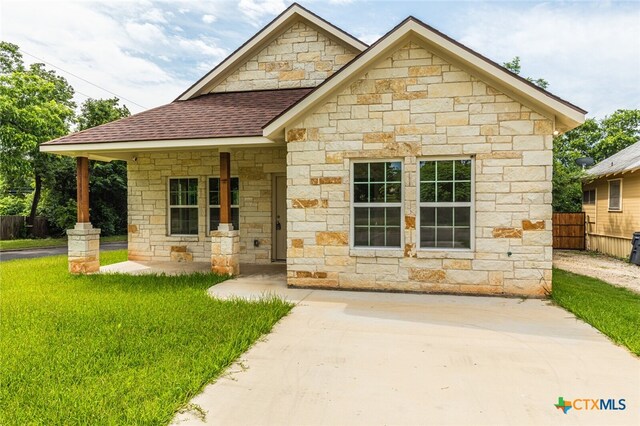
<point>150,51</point>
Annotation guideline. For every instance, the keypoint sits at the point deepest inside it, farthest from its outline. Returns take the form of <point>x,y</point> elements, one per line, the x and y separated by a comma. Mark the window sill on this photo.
<point>614,211</point>
<point>376,252</point>
<point>183,238</point>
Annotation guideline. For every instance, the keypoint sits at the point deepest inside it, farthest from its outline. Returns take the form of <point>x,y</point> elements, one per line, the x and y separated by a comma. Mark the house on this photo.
<point>611,202</point>
<point>413,164</point>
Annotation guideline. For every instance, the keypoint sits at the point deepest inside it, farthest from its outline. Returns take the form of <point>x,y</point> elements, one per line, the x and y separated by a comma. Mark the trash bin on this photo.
<point>634,257</point>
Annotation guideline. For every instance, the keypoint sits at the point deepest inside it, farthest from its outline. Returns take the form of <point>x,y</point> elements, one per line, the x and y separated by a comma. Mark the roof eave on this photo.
<point>126,150</point>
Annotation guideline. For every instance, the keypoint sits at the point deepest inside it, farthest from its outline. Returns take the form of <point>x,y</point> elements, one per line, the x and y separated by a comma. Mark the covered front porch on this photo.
<point>193,211</point>
<point>204,184</point>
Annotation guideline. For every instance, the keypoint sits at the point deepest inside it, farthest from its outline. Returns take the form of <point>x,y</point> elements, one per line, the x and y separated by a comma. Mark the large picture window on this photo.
<point>445,204</point>
<point>615,191</point>
<point>377,204</point>
<point>183,206</point>
<point>214,203</point>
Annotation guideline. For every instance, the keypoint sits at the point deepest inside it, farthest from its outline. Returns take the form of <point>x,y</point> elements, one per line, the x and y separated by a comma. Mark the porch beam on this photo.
<point>82,168</point>
<point>225,189</point>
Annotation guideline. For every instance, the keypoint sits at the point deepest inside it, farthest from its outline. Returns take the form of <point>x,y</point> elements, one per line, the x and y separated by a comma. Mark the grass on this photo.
<point>29,243</point>
<point>114,349</point>
<point>615,311</point>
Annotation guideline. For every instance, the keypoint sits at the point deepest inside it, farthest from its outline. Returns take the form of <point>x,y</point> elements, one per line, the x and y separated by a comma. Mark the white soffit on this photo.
<point>566,116</point>
<point>294,13</point>
<point>107,151</point>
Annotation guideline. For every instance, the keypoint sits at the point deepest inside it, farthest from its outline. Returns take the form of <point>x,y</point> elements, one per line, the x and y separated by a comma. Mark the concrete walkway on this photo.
<point>355,358</point>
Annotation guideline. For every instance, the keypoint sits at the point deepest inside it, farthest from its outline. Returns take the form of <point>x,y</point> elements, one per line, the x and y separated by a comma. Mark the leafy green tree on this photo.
<point>597,139</point>
<point>107,181</point>
<point>35,106</point>
<point>95,112</point>
<point>514,66</point>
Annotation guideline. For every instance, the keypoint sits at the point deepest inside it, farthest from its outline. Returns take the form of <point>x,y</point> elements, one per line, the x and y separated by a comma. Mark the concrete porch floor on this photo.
<point>272,271</point>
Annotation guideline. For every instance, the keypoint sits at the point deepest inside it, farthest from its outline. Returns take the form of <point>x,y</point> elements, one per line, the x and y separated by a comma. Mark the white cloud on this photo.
<point>368,38</point>
<point>256,10</point>
<point>154,15</point>
<point>145,33</point>
<point>590,55</point>
<point>208,19</point>
<point>126,48</point>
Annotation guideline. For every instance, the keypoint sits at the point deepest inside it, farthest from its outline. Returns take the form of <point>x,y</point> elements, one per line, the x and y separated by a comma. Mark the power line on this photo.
<point>83,79</point>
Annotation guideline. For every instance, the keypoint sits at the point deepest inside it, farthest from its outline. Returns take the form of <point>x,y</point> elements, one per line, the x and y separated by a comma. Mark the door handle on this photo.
<point>278,226</point>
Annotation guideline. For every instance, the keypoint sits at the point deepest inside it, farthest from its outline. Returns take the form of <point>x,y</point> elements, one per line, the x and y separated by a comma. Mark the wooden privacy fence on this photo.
<point>569,231</point>
<point>12,227</point>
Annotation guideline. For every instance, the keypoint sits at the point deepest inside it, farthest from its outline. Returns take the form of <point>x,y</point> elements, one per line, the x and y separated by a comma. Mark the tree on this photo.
<point>514,67</point>
<point>95,112</point>
<point>35,106</point>
<point>107,181</point>
<point>597,139</point>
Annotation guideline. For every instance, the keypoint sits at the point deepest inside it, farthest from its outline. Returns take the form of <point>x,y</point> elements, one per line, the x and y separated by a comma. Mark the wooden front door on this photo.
<point>279,217</point>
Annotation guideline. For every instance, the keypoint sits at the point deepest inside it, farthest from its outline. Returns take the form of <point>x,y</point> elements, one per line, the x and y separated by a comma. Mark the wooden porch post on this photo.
<point>225,189</point>
<point>83,189</point>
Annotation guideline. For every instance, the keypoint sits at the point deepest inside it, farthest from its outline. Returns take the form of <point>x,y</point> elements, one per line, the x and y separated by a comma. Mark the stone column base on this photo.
<point>84,249</point>
<point>225,252</point>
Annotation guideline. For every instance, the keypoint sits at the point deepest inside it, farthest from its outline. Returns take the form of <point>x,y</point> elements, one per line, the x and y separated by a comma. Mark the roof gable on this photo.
<point>282,23</point>
<point>567,116</point>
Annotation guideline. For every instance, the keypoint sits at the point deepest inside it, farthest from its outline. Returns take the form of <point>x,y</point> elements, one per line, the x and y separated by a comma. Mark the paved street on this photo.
<point>52,251</point>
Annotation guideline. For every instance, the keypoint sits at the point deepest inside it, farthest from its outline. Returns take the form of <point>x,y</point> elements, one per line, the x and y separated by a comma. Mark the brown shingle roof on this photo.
<point>214,115</point>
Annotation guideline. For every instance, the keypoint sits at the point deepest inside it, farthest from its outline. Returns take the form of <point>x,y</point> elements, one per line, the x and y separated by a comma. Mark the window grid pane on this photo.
<point>183,206</point>
<point>377,196</point>
<point>445,204</point>
<point>183,192</point>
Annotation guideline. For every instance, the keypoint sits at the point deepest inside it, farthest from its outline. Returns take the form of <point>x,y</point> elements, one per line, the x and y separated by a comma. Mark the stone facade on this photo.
<point>300,57</point>
<point>225,252</point>
<point>84,249</point>
<point>413,105</point>
<point>148,178</point>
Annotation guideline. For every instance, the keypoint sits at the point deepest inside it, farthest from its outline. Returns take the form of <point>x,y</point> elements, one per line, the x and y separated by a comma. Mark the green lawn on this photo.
<point>613,310</point>
<point>48,242</point>
<point>114,349</point>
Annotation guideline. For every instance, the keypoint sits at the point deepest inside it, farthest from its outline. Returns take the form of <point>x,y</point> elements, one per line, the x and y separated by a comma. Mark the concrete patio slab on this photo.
<point>355,358</point>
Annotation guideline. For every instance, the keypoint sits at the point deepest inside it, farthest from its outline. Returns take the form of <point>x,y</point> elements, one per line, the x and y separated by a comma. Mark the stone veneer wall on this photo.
<point>414,105</point>
<point>300,57</point>
<point>148,193</point>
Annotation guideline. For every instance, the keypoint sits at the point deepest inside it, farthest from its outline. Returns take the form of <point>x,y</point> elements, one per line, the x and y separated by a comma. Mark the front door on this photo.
<point>280,217</point>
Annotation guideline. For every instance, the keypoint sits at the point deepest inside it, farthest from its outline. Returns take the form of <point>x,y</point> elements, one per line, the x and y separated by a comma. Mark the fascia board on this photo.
<point>104,148</point>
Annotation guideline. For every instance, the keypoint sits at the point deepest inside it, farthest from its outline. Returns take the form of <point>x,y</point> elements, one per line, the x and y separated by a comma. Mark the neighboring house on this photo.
<point>611,201</point>
<point>413,164</point>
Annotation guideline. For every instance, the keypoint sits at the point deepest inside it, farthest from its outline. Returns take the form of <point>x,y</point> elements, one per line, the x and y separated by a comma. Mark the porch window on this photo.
<point>615,191</point>
<point>377,204</point>
<point>183,206</point>
<point>214,203</point>
<point>445,199</point>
